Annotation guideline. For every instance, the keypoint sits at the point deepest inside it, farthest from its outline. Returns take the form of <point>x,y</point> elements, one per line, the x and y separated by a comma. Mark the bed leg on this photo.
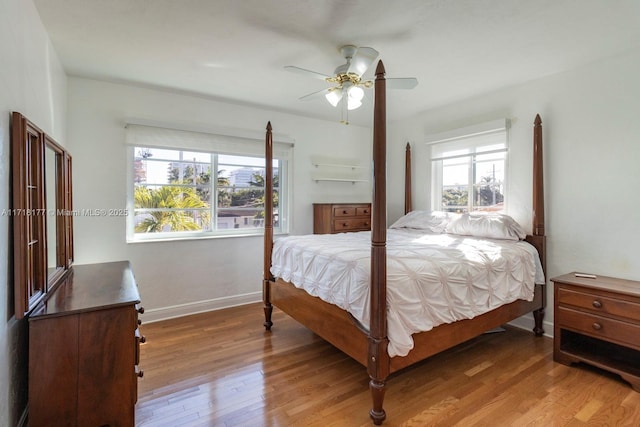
<point>538,316</point>
<point>268,309</point>
<point>378,370</point>
<point>377,388</point>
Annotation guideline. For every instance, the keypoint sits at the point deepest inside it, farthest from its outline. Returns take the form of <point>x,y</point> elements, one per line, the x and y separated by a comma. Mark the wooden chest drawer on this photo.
<point>331,218</point>
<point>351,224</point>
<point>344,211</point>
<point>596,303</point>
<point>623,333</point>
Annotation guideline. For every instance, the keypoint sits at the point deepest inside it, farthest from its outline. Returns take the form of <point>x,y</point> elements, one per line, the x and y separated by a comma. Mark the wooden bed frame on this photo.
<point>339,328</point>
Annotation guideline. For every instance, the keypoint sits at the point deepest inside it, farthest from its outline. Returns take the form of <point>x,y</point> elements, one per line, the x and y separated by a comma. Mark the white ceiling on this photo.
<point>235,50</point>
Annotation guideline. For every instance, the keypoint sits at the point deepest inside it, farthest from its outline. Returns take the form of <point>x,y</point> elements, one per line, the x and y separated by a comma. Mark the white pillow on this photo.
<point>434,221</point>
<point>489,225</point>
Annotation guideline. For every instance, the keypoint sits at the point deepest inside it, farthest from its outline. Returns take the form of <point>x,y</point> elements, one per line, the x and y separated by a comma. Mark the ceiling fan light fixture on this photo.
<point>356,93</point>
<point>334,97</point>
<point>352,104</point>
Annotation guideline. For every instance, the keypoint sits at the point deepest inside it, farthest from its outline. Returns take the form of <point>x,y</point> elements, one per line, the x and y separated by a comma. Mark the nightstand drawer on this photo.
<point>624,333</point>
<point>351,224</point>
<point>599,304</point>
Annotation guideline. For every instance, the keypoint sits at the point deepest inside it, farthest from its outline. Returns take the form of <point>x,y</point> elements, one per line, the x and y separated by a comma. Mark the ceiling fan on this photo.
<point>348,79</point>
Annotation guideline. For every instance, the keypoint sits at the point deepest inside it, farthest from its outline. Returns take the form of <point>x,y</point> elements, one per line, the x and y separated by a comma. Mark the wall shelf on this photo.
<point>339,169</point>
<point>353,167</point>
<point>353,181</point>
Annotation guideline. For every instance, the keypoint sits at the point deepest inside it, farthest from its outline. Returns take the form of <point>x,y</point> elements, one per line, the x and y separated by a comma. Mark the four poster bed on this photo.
<point>364,333</point>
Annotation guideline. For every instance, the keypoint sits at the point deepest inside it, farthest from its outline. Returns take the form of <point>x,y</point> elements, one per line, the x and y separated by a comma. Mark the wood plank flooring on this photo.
<point>223,369</point>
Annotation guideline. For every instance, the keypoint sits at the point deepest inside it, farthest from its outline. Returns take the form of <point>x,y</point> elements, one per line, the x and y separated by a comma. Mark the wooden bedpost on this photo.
<point>378,357</point>
<point>538,186</point>
<point>538,238</point>
<point>407,179</point>
<point>268,227</point>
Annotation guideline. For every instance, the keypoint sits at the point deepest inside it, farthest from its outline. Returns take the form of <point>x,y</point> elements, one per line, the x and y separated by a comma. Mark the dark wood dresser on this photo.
<point>597,321</point>
<point>330,218</point>
<point>84,349</point>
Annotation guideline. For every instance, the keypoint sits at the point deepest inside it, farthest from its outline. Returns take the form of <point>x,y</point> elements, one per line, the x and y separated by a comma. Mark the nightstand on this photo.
<point>597,321</point>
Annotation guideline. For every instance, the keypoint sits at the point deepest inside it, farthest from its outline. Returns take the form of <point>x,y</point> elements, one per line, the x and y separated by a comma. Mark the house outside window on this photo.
<point>189,193</point>
<point>469,169</point>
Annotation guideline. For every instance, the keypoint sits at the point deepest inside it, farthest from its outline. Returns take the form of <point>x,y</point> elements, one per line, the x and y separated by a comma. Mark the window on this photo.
<point>187,193</point>
<point>469,169</point>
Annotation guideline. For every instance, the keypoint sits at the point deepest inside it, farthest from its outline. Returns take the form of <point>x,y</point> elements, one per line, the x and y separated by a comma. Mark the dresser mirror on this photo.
<point>54,188</point>
<point>40,213</point>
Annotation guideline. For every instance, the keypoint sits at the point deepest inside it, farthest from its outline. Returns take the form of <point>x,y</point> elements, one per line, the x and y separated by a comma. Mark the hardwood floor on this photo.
<point>223,369</point>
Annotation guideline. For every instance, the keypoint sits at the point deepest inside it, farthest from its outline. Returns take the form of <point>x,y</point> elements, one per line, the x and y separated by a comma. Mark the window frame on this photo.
<point>283,166</point>
<point>472,140</point>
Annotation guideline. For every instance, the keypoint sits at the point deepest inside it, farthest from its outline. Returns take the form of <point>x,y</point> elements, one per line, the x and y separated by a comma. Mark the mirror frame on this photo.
<point>29,214</point>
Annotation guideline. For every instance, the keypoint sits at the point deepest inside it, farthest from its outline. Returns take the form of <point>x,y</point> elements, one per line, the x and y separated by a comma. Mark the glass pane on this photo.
<point>195,156</point>
<point>234,176</point>
<point>488,191</point>
<point>171,220</point>
<point>455,199</point>
<point>240,217</point>
<point>455,185</point>
<point>455,175</point>
<point>189,173</point>
<point>151,171</point>
<point>243,197</point>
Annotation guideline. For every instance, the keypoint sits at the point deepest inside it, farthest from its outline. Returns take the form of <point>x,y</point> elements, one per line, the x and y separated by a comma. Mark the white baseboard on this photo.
<point>526,322</point>
<point>164,313</point>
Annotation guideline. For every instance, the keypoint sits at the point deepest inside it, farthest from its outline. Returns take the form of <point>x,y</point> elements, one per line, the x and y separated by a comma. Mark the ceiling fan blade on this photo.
<point>308,73</point>
<point>402,83</point>
<point>315,95</point>
<point>362,59</point>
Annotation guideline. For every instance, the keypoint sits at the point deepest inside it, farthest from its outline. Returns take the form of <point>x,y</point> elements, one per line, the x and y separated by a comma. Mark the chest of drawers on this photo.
<point>597,321</point>
<point>330,218</point>
<point>84,350</point>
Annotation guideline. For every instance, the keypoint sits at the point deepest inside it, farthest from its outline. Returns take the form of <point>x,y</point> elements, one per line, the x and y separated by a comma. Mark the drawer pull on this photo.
<point>344,224</point>
<point>344,212</point>
<point>140,373</point>
<point>141,310</point>
<point>597,326</point>
<point>143,339</point>
<point>139,322</point>
<point>596,304</point>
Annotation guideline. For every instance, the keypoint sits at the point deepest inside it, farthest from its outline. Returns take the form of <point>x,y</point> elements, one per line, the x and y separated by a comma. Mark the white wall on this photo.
<point>591,138</point>
<point>32,82</point>
<point>185,276</point>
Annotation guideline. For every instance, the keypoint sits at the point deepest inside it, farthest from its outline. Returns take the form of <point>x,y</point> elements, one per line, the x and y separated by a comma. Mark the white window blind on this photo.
<point>164,137</point>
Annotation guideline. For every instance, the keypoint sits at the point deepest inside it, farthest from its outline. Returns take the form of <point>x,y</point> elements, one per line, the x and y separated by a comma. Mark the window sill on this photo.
<point>196,237</point>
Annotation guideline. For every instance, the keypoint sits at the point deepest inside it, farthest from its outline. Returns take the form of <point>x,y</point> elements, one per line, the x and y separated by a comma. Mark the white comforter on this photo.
<point>431,278</point>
